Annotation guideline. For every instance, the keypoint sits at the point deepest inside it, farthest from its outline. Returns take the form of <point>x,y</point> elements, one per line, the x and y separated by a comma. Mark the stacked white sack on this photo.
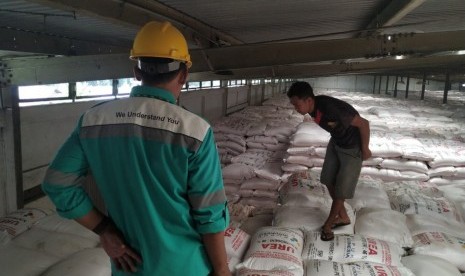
<point>275,249</point>
<point>351,248</point>
<point>92,261</point>
<point>305,204</point>
<point>369,193</point>
<point>384,224</point>
<point>236,243</point>
<point>325,268</point>
<point>440,245</point>
<point>230,136</point>
<point>229,145</point>
<point>19,221</point>
<point>308,145</point>
<point>422,265</point>
<point>456,193</point>
<point>262,189</point>
<point>415,199</point>
<point>50,245</point>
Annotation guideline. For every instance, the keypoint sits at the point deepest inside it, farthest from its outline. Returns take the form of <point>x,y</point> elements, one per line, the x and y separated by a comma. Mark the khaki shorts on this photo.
<point>341,170</point>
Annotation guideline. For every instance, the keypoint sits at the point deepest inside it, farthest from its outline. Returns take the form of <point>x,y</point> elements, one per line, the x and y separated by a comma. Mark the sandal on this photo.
<point>326,236</point>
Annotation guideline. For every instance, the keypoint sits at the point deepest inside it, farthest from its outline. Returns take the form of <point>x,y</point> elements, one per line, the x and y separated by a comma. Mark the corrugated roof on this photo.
<point>55,22</point>
<point>264,20</point>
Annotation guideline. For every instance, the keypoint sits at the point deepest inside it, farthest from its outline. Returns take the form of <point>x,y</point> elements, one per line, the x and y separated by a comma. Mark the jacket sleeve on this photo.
<point>205,188</point>
<point>64,178</point>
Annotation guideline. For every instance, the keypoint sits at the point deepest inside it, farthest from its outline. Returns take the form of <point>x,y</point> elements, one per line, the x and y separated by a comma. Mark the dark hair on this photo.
<point>301,90</point>
<point>158,78</point>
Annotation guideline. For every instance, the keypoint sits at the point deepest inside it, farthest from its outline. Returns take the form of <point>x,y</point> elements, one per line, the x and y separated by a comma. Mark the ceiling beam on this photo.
<point>385,66</point>
<point>260,55</point>
<point>205,31</point>
<point>40,43</point>
<point>392,13</point>
<point>31,71</point>
<point>136,13</point>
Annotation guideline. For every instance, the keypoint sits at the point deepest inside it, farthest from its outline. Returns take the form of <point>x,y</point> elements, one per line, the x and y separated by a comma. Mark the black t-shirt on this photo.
<point>335,116</point>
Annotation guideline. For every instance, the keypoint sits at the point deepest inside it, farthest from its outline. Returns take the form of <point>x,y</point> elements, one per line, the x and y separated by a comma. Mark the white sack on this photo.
<point>252,224</point>
<point>423,205</point>
<point>261,184</point>
<point>18,222</point>
<point>442,171</point>
<point>383,224</point>
<point>238,171</point>
<point>419,224</point>
<point>273,248</point>
<point>270,170</point>
<point>326,268</point>
<point>422,265</point>
<point>236,243</point>
<point>460,172</point>
<point>55,223</point>
<point>293,168</point>
<point>351,248</point>
<point>262,139</point>
<point>260,202</point>
<point>276,130</point>
<point>92,261</point>
<point>447,158</point>
<point>384,149</point>
<point>231,188</point>
<point>233,125</point>
<point>369,193</point>
<point>255,158</point>
<point>53,243</point>
<point>310,218</point>
<point>443,181</point>
<point>304,192</point>
<point>449,248</point>
<point>372,161</point>
<point>18,261</point>
<point>305,151</point>
<point>317,139</point>
<point>413,188</point>
<point>258,193</point>
<point>252,272</point>
<point>299,159</point>
<point>456,194</point>
<point>404,165</point>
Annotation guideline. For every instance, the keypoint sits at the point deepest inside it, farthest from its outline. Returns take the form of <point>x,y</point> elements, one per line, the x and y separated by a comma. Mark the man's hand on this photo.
<point>366,153</point>
<point>124,257</point>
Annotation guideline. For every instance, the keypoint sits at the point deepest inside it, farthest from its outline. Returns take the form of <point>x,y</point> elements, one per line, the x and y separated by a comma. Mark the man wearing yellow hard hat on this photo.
<point>156,166</point>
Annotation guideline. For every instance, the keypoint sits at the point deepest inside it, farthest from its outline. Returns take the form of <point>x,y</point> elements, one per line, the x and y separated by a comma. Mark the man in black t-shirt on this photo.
<point>347,148</point>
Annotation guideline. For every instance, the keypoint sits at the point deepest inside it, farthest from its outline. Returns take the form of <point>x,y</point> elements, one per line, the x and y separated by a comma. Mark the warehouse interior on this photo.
<point>243,52</point>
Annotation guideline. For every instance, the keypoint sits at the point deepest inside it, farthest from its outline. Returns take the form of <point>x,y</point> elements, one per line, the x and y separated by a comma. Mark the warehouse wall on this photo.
<point>45,127</point>
<point>368,84</point>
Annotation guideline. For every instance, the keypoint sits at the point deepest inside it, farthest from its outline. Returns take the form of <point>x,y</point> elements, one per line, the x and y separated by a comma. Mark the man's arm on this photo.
<point>364,127</point>
<point>214,244</point>
<point>63,184</point>
<point>112,240</point>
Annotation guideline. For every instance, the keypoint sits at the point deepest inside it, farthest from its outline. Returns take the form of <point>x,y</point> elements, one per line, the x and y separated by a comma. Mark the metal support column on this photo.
<point>423,86</point>
<point>407,87</point>
<point>446,88</point>
<point>387,84</point>
<point>379,86</point>
<point>11,184</point>
<point>374,84</point>
<point>395,87</point>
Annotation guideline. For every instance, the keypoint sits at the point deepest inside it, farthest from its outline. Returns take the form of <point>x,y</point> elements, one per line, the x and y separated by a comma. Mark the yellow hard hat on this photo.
<point>160,39</point>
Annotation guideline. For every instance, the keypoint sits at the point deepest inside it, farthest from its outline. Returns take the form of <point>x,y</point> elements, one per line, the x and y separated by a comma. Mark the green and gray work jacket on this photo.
<point>157,168</point>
